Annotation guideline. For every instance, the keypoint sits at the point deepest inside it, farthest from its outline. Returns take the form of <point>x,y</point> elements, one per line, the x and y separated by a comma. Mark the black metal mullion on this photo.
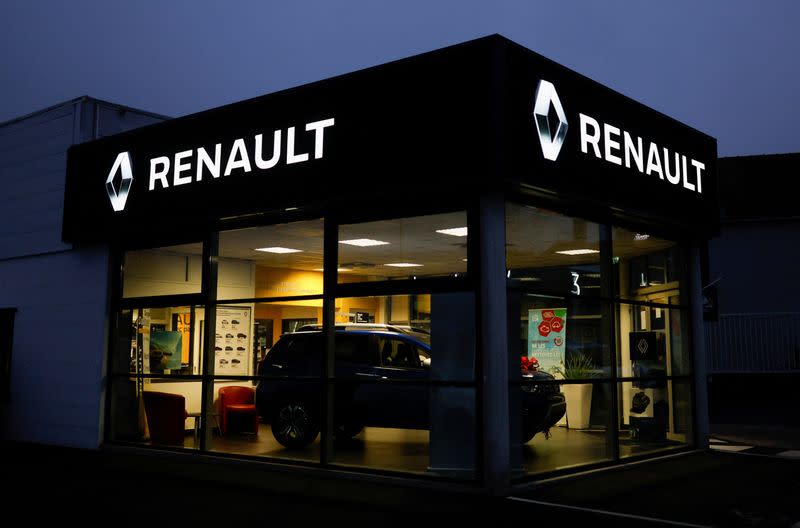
<point>209,294</point>
<point>610,324</point>
<point>163,301</point>
<point>272,299</point>
<point>115,290</point>
<point>330,276</point>
<point>403,287</point>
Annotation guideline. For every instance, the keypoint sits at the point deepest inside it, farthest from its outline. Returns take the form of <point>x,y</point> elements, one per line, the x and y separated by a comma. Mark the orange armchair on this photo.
<point>166,417</point>
<point>239,401</point>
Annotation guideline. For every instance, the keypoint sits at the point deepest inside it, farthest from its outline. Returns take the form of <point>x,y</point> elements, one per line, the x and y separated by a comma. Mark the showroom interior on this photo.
<point>406,289</point>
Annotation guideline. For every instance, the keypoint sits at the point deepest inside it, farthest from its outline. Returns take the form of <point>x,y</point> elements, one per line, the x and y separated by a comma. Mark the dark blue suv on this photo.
<point>367,362</point>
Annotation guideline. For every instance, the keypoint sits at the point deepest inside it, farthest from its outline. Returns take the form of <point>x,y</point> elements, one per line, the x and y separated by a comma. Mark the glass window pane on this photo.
<point>560,426</point>
<point>387,413</point>
<point>648,267</point>
<point>415,428</point>
<point>653,341</point>
<point>163,271</point>
<point>422,246</point>
<point>281,260</point>
<point>163,341</point>
<point>656,415</point>
<point>247,333</point>
<point>562,336</point>
<point>552,252</point>
<point>251,421</point>
<point>155,411</point>
<point>421,337</point>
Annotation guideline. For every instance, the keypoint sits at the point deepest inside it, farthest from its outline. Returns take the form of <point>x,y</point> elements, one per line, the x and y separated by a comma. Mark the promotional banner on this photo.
<point>547,331</point>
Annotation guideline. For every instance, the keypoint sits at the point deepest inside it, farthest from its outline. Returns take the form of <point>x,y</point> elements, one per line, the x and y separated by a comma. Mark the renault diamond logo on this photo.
<point>551,141</point>
<point>642,346</point>
<point>119,196</point>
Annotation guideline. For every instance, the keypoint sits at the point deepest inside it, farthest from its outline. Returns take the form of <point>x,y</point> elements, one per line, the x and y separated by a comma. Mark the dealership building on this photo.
<point>471,268</point>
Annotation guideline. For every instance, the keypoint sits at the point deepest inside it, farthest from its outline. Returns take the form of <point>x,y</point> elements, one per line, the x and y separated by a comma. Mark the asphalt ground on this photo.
<point>101,488</point>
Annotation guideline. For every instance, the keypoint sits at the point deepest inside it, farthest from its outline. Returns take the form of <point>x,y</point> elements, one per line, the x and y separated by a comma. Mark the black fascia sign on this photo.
<point>441,127</point>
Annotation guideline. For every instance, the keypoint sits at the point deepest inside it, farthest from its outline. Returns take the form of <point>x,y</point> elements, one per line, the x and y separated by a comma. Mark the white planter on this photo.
<point>579,405</point>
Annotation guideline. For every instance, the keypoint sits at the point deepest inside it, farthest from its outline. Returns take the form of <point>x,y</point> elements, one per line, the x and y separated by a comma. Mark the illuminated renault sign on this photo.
<point>122,165</point>
<point>612,144</point>
<point>617,146</point>
<point>551,140</point>
<point>189,166</point>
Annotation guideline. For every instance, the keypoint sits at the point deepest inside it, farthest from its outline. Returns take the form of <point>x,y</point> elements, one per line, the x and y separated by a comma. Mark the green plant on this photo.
<point>577,366</point>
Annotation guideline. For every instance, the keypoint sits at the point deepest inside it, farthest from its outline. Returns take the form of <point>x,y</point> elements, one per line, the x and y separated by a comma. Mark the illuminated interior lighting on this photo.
<point>454,231</point>
<point>291,209</point>
<point>403,265</point>
<point>463,260</point>
<point>337,269</point>
<point>640,236</point>
<point>279,250</point>
<point>578,251</point>
<point>529,279</point>
<point>363,242</point>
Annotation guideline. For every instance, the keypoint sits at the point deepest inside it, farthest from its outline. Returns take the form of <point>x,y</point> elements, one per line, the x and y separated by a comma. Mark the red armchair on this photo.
<point>238,401</point>
<point>166,417</point>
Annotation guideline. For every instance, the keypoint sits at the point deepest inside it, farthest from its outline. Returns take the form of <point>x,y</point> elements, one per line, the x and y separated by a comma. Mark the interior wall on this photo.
<point>157,272</point>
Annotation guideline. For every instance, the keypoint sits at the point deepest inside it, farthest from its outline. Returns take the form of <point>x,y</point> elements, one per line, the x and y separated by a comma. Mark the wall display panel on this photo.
<point>282,260</point>
<point>403,248</point>
<point>162,271</point>
<point>657,416</point>
<point>552,252</point>
<point>653,341</point>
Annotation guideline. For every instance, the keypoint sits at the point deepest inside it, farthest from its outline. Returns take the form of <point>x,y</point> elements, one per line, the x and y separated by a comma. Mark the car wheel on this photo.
<point>294,425</point>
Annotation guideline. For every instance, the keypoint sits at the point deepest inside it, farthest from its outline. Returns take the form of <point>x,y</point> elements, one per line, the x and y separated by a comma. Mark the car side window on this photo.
<point>353,349</point>
<point>398,353</point>
<point>304,349</point>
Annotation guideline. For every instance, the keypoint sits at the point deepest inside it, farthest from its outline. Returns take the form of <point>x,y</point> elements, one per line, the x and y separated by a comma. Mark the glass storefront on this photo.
<point>602,329</point>
<point>258,386</point>
<point>598,348</point>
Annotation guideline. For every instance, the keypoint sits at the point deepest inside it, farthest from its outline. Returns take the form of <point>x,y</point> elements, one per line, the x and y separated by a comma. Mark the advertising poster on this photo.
<point>182,322</point>
<point>547,331</point>
<point>232,340</point>
<point>165,350</point>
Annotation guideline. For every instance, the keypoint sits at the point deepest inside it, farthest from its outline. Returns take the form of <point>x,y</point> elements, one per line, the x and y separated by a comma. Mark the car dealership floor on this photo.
<point>407,450</point>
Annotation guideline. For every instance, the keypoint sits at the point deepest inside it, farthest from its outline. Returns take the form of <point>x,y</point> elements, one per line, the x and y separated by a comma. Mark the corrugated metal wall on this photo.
<point>61,294</point>
<point>753,342</point>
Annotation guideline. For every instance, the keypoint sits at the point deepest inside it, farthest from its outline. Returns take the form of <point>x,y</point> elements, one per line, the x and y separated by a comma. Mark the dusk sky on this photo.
<point>729,68</point>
